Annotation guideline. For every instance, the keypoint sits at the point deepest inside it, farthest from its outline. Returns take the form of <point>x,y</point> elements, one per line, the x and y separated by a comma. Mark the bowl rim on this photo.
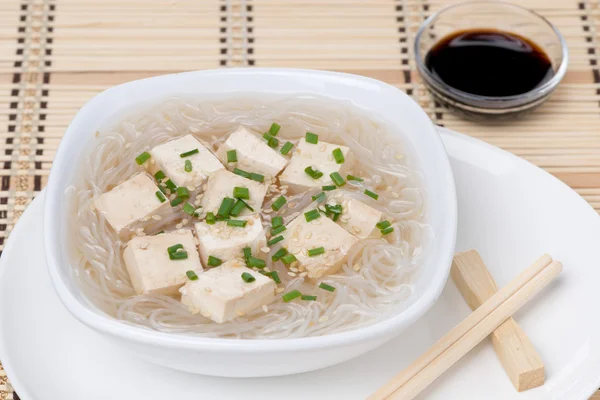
<point>121,330</point>
<point>483,102</point>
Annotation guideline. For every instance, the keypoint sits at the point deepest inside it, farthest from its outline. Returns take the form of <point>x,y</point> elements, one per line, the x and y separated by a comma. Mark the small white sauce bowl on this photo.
<point>253,358</point>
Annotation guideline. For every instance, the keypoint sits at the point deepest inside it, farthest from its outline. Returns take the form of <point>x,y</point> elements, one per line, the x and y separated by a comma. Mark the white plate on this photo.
<point>509,210</point>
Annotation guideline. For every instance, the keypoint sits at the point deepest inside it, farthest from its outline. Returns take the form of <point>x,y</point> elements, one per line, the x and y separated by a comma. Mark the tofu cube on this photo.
<point>318,156</point>
<point>227,242</point>
<point>222,295</point>
<point>131,205</point>
<point>167,157</point>
<point>359,219</point>
<point>221,184</point>
<point>150,268</point>
<point>253,153</point>
<point>301,236</point>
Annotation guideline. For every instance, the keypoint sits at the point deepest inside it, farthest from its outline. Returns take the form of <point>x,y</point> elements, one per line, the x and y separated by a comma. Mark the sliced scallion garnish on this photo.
<point>189,209</point>
<point>159,175</point>
<point>274,129</point>
<point>289,296</point>
<point>161,197</point>
<point>241,172</point>
<point>288,259</point>
<point>277,204</point>
<point>187,166</point>
<point>189,153</point>
<point>274,275</point>
<point>192,275</point>
<point>272,142</point>
<point>316,252</point>
<point>240,223</point>
<point>311,215</point>
<point>312,138</point>
<point>308,298</point>
<point>286,148</point>
<point>241,193</point>
<point>277,221</point>
<point>256,177</point>
<point>372,195</point>
<point>319,197</point>
<point>387,230</point>
<point>337,179</point>
<point>210,218</point>
<point>225,207</point>
<point>248,277</point>
<point>354,178</point>
<point>384,224</point>
<point>327,287</point>
<point>183,192</point>
<point>275,240</point>
<point>254,262</point>
<point>174,248</point>
<point>238,207</point>
<point>328,187</point>
<point>313,173</point>
<point>279,253</point>
<point>176,201</point>
<point>142,158</point>
<point>178,255</point>
<point>214,261</point>
<point>338,155</point>
<point>231,156</point>
<point>247,252</point>
<point>171,185</point>
<point>278,230</point>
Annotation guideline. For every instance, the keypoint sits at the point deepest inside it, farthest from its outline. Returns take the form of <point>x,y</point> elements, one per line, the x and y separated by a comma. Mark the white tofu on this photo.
<point>150,269</point>
<point>320,157</point>
<point>166,157</point>
<point>222,295</point>
<point>301,236</point>
<point>253,153</point>
<point>359,219</point>
<point>227,242</point>
<point>221,184</point>
<point>131,205</point>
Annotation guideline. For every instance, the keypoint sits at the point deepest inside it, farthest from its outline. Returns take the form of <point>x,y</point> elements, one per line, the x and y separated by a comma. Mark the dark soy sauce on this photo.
<point>489,63</point>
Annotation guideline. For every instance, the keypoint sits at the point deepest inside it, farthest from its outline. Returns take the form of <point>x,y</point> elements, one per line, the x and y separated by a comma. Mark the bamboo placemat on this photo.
<point>56,54</point>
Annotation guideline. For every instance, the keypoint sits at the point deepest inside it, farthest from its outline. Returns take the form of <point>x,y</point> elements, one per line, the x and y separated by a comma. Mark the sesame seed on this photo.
<point>395,195</point>
<point>143,245</point>
<point>265,249</point>
<point>179,226</point>
<point>330,157</point>
<point>303,274</point>
<point>207,289</point>
<point>291,274</point>
<point>206,314</point>
<point>279,290</point>
<point>128,145</point>
<point>324,318</point>
<point>265,308</point>
<point>139,230</point>
<point>240,313</point>
<point>356,267</point>
<point>399,156</point>
<point>294,269</point>
<point>156,217</point>
<point>250,222</point>
<point>308,235</point>
<point>292,205</point>
<point>185,221</point>
<point>356,229</point>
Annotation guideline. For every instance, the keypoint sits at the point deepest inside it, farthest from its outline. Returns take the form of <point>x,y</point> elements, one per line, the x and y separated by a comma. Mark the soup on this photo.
<point>249,218</point>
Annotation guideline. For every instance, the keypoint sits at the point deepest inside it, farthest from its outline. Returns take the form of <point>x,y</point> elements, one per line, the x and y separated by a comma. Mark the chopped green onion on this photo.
<point>240,223</point>
<point>278,230</point>
<point>333,209</point>
<point>254,262</point>
<point>354,178</point>
<point>308,298</point>
<point>279,253</point>
<point>178,255</point>
<point>256,177</point>
<point>231,156</point>
<point>237,208</point>
<point>183,192</point>
<point>214,261</point>
<point>371,194</point>
<point>277,204</point>
<point>187,166</point>
<point>159,175</point>
<point>271,141</point>
<point>161,196</point>
<point>338,155</point>
<point>189,209</point>
<point>328,188</point>
<point>158,233</point>
<point>320,197</point>
<point>174,248</point>
<point>248,277</point>
<point>192,275</point>
<point>316,252</point>
<point>336,217</point>
<point>189,153</point>
<point>277,221</point>
<point>247,205</point>
<point>210,218</point>
<point>225,207</point>
<point>171,186</point>
<point>286,148</point>
<point>384,224</point>
<point>142,158</point>
<point>162,189</point>
<point>312,138</point>
<point>288,259</point>
<point>241,172</point>
<point>274,275</point>
<point>247,252</point>
<point>241,193</point>
<point>289,296</point>
<point>327,287</point>
<point>176,201</point>
<point>313,173</point>
<point>311,215</point>
<point>274,129</point>
<point>387,230</point>
<point>275,240</point>
<point>337,179</point>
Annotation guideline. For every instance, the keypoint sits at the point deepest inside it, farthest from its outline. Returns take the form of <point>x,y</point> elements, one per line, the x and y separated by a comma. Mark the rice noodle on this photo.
<point>375,281</point>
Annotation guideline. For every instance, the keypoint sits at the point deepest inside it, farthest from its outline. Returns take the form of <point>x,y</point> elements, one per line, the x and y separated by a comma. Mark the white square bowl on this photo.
<point>253,358</point>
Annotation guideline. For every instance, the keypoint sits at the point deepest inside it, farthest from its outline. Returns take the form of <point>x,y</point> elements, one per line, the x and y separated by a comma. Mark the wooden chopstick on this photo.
<point>472,330</point>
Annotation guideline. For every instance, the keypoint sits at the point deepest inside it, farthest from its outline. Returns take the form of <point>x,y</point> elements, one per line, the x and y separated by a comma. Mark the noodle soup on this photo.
<point>244,218</point>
